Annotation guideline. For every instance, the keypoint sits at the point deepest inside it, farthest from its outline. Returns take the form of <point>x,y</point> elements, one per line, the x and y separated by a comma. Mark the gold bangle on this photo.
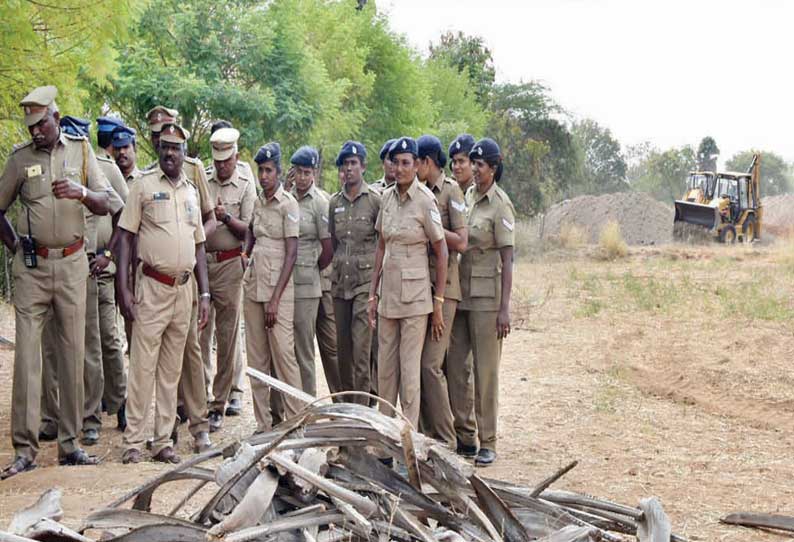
<point>373,298</point>
<point>438,298</point>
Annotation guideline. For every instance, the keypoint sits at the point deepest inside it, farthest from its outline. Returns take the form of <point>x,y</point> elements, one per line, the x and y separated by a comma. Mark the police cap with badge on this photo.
<point>403,145</point>
<point>305,157</point>
<point>351,148</point>
<point>35,104</point>
<point>159,116</point>
<point>224,143</point>
<point>75,126</point>
<point>270,152</point>
<point>461,144</point>
<point>123,136</point>
<point>384,151</point>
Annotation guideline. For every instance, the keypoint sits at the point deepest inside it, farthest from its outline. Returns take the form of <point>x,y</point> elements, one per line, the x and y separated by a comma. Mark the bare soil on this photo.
<point>665,373</point>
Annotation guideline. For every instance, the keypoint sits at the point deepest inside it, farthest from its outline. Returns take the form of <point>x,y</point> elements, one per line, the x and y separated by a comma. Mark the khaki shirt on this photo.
<point>469,184</point>
<point>275,220</point>
<point>167,220</point>
<point>380,185</point>
<point>29,173</point>
<point>452,207</point>
<point>101,227</point>
<point>351,224</point>
<point>238,194</point>
<point>407,222</point>
<point>194,171</point>
<point>134,174</point>
<point>313,229</point>
<point>491,222</point>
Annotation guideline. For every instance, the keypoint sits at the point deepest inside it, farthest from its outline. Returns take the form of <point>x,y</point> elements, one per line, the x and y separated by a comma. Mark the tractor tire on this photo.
<point>748,230</point>
<point>728,234</point>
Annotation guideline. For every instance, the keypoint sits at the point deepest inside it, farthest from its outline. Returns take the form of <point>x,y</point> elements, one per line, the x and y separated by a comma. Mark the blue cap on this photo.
<point>75,126</point>
<point>385,149</point>
<point>108,124</point>
<point>123,136</point>
<point>351,148</point>
<point>270,152</point>
<point>463,143</point>
<point>485,149</point>
<point>430,145</point>
<point>403,145</point>
<point>305,157</point>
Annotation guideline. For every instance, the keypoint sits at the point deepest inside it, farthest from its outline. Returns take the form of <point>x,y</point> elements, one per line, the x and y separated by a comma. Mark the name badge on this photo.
<point>33,171</point>
<point>339,210</point>
<point>160,196</point>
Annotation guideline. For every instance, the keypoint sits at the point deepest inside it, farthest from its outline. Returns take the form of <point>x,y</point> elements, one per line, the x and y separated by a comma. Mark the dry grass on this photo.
<point>572,235</point>
<point>611,242</point>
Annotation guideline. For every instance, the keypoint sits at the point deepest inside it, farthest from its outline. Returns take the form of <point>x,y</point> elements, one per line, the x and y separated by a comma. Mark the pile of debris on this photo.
<point>323,476</point>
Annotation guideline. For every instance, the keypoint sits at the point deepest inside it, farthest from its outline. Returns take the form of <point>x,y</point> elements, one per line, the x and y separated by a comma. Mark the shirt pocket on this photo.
<point>232,207</point>
<point>362,227</point>
<point>304,273</point>
<point>415,285</point>
<point>158,211</point>
<point>36,187</point>
<point>192,210</point>
<point>483,281</point>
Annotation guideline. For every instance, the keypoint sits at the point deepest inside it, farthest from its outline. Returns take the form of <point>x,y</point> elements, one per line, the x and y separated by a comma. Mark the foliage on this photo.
<point>603,165</point>
<point>660,173</point>
<point>707,154</point>
<point>776,175</point>
<point>470,55</point>
<point>611,242</point>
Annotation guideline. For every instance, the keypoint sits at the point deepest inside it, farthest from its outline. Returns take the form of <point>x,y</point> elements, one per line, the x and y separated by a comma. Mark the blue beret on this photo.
<point>75,126</point>
<point>351,148</point>
<point>305,157</point>
<point>403,145</point>
<point>271,152</point>
<point>123,136</point>
<point>463,143</point>
<point>108,124</point>
<point>485,149</point>
<point>385,149</point>
<point>430,145</point>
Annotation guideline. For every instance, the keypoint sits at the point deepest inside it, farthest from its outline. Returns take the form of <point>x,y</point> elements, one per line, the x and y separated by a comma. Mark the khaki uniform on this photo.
<point>98,319</point>
<point>167,221</point>
<point>134,174</point>
<point>58,283</point>
<point>436,413</point>
<point>326,326</point>
<point>491,220</point>
<point>271,351</point>
<point>407,223</point>
<point>238,194</point>
<point>306,278</point>
<point>352,228</point>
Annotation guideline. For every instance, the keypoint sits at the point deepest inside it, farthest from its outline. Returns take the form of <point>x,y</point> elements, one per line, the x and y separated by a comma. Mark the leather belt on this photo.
<point>223,255</point>
<point>168,280</point>
<point>45,252</point>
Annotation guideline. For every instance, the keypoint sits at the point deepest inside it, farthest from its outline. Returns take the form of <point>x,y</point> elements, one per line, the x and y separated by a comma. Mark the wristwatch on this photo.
<point>85,194</point>
<point>108,254</point>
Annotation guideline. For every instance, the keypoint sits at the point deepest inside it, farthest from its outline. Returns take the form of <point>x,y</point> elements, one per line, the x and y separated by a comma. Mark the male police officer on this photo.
<point>54,175</point>
<point>388,168</point>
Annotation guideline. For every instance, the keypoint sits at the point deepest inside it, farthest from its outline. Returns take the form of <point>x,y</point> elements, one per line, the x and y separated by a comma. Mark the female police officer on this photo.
<point>267,286</point>
<point>408,221</point>
<point>486,276</point>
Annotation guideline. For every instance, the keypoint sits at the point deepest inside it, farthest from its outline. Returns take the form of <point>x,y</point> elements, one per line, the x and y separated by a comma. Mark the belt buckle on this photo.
<point>185,277</point>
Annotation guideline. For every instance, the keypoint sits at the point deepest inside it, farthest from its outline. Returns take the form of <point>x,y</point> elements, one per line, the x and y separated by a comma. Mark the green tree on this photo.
<point>469,55</point>
<point>707,154</point>
<point>661,173</point>
<point>776,175</point>
<point>603,165</point>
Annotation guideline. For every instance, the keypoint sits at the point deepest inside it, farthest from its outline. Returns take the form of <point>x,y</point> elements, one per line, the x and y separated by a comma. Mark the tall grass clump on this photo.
<point>611,242</point>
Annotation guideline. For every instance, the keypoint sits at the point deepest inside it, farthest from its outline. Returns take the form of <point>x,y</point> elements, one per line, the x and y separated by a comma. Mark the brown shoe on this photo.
<point>19,465</point>
<point>167,455</point>
<point>131,455</point>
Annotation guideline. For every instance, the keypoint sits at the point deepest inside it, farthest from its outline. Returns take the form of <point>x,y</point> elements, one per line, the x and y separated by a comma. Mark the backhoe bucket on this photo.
<point>696,213</point>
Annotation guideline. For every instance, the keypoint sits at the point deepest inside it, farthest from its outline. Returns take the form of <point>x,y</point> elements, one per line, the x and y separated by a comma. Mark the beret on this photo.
<point>403,145</point>
<point>485,148</point>
<point>351,148</point>
<point>270,152</point>
<point>75,126</point>
<point>430,145</point>
<point>123,136</point>
<point>108,124</point>
<point>305,157</point>
<point>385,149</point>
<point>463,143</point>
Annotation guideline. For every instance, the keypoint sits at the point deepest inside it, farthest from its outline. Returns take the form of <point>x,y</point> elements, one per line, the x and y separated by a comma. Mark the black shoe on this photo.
<point>235,407</point>
<point>485,457</point>
<point>388,461</point>
<point>78,457</point>
<point>48,432</point>
<point>181,414</point>
<point>466,451</point>
<point>215,419</point>
<point>121,417</point>
<point>90,437</point>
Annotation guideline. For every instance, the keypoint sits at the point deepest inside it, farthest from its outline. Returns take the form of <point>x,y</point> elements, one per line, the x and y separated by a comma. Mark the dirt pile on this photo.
<point>642,219</point>
<point>779,214</point>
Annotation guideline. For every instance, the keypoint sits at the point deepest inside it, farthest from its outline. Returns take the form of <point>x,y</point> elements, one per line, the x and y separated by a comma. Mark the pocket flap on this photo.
<point>413,274</point>
<point>483,271</point>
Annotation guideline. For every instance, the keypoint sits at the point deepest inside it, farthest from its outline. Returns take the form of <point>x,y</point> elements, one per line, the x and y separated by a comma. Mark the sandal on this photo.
<point>78,457</point>
<point>20,464</point>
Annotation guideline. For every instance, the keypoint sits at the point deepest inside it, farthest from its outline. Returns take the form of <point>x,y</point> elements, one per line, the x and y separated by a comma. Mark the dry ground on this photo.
<point>664,373</point>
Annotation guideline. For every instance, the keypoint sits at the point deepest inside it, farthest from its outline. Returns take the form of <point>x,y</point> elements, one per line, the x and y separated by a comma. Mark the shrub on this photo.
<point>611,242</point>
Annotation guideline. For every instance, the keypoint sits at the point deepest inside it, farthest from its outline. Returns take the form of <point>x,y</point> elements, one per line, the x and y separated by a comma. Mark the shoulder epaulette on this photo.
<point>73,137</point>
<point>149,168</point>
<point>104,159</point>
<point>20,146</point>
<point>193,161</point>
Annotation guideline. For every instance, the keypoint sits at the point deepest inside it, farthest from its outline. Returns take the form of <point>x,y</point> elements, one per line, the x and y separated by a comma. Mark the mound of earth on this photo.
<point>642,219</point>
<point>779,214</point>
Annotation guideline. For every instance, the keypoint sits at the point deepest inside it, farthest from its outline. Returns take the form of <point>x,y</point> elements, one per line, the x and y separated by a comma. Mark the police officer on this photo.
<point>388,168</point>
<point>409,220</point>
<point>461,165</point>
<point>105,126</point>
<point>234,194</point>
<point>352,215</point>
<point>314,254</point>
<point>163,213</point>
<point>436,413</point>
<point>269,301</point>
<point>54,175</point>
<point>486,276</point>
<point>125,152</point>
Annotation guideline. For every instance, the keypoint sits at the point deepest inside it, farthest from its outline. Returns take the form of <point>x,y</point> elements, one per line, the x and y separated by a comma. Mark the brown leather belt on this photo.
<point>223,255</point>
<point>45,252</point>
<point>168,280</point>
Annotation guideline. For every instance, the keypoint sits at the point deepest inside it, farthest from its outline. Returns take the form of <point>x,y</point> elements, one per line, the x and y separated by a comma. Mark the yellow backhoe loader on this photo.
<point>725,205</point>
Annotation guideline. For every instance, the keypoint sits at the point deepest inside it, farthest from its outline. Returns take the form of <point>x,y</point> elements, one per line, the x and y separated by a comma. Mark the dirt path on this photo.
<point>655,390</point>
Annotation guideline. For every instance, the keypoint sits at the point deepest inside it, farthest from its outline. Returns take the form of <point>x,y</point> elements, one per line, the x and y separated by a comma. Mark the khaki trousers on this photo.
<point>305,328</point>
<point>192,387</point>
<point>159,334</point>
<point>326,342</point>
<point>354,341</point>
<point>271,351</point>
<point>57,284</point>
<point>460,381</point>
<point>479,337</point>
<point>115,391</point>
<point>226,281</point>
<point>436,418</point>
<point>400,343</point>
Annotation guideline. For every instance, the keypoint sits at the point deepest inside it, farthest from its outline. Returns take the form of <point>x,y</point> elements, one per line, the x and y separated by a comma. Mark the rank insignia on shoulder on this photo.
<point>460,207</point>
<point>435,216</point>
<point>292,217</point>
<point>159,196</point>
<point>507,224</point>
